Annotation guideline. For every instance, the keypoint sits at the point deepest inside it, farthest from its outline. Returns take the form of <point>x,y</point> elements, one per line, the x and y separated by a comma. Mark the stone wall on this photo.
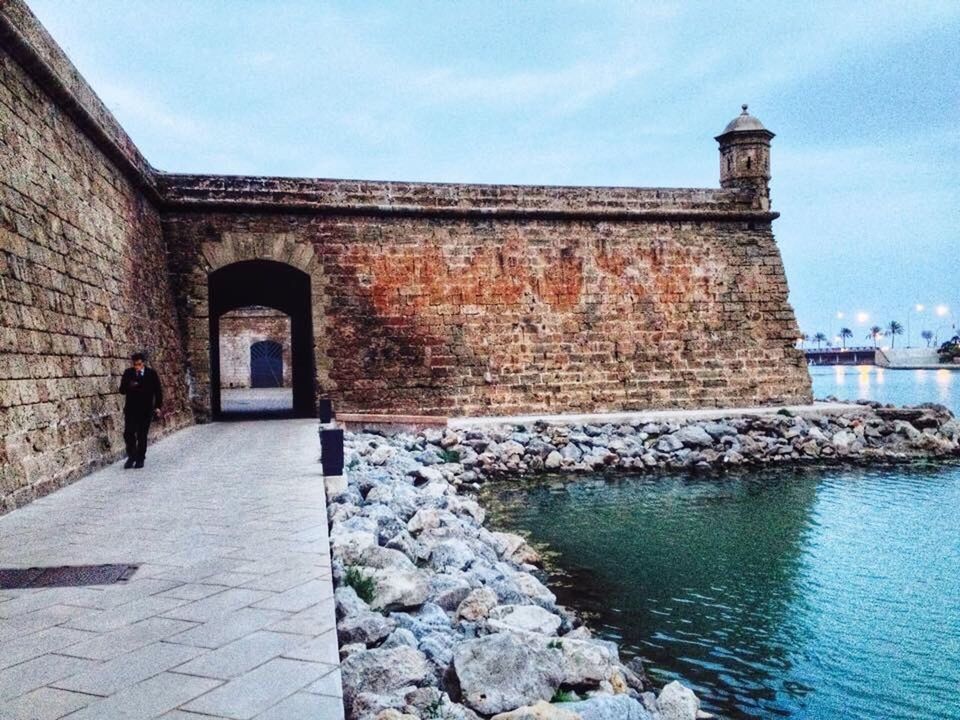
<point>83,277</point>
<point>565,311</point>
<point>238,331</point>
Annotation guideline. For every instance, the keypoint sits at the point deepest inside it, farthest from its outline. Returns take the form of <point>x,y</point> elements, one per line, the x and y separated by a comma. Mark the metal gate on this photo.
<point>266,364</point>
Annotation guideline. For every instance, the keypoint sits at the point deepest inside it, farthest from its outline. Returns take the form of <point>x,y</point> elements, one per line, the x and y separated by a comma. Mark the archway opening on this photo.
<point>261,341</point>
<point>255,362</point>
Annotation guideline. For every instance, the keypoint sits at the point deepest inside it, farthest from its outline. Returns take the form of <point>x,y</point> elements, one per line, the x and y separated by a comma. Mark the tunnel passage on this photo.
<point>274,285</point>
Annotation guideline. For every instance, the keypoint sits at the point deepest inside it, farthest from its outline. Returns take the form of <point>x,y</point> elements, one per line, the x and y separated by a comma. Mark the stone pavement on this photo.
<point>230,613</point>
<point>255,399</point>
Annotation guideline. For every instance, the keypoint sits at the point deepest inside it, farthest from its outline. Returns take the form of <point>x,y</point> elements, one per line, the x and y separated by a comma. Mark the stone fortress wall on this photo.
<point>423,298</point>
<point>83,280</point>
<point>239,330</point>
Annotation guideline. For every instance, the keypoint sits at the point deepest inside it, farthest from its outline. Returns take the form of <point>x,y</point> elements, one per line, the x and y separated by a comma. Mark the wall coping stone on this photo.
<point>233,193</point>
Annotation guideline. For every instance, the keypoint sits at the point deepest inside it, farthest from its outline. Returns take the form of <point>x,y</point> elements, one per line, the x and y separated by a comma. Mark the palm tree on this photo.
<point>819,338</point>
<point>875,332</point>
<point>804,339</point>
<point>844,334</point>
<point>894,329</point>
<point>928,336</point>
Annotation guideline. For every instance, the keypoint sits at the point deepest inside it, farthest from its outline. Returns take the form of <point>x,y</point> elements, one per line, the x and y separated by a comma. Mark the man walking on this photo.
<point>144,398</point>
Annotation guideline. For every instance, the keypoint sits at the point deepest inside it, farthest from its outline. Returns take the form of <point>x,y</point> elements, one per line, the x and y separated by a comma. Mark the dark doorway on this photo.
<point>271,285</point>
<point>266,364</point>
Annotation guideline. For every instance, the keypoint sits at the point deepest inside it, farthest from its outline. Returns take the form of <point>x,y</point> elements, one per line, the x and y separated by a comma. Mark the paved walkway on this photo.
<point>255,399</point>
<point>230,613</point>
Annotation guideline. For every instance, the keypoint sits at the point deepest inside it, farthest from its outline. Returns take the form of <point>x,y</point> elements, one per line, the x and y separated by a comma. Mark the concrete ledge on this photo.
<point>817,408</point>
<point>359,422</point>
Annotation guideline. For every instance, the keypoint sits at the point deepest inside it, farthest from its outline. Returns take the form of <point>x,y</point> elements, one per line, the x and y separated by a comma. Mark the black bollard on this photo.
<point>331,451</point>
<point>326,410</point>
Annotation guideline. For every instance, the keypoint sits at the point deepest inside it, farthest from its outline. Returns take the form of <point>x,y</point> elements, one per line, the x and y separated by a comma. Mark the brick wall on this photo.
<point>420,313</point>
<point>83,281</point>
<point>241,328</point>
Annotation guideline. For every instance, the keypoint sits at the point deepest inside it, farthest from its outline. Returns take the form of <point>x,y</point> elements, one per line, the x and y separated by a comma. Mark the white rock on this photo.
<point>504,671</point>
<point>348,547</point>
<point>477,605</point>
<point>693,436</point>
<point>533,588</point>
<point>531,618</point>
<point>383,671</point>
<point>677,702</point>
<point>541,711</point>
<point>399,589</point>
<point>553,461</point>
<point>380,455</point>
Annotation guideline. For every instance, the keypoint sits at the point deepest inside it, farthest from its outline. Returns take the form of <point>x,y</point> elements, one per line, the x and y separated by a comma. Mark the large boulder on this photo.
<point>608,707</point>
<point>541,711</point>
<point>477,605</point>
<point>366,627</point>
<point>515,548</point>
<point>383,672</point>
<point>587,662</point>
<point>534,589</point>
<point>530,618</point>
<point>693,436</point>
<point>399,589</point>
<point>348,546</point>
<point>503,671</point>
<point>677,702</point>
<point>451,555</point>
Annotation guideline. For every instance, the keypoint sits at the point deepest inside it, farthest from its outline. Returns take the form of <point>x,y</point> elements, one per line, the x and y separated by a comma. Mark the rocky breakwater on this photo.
<point>439,617</point>
<point>866,433</point>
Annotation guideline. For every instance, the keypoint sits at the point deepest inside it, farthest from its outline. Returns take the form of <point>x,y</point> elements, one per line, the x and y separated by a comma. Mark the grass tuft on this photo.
<point>361,584</point>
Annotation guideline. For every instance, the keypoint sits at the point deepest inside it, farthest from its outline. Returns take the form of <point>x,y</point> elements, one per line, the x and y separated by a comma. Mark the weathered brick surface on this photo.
<point>242,328</point>
<point>474,316</point>
<point>83,282</point>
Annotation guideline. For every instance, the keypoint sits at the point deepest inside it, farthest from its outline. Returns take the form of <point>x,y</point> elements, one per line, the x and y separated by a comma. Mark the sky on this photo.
<point>864,99</point>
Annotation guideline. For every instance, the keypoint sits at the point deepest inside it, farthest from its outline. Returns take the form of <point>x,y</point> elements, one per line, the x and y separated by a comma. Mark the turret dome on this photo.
<point>743,122</point>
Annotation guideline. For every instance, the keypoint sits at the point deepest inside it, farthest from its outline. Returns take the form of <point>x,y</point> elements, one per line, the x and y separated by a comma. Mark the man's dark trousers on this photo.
<point>135,429</point>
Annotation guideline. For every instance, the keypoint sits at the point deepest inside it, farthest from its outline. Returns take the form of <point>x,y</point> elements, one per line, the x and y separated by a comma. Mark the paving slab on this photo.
<point>230,612</point>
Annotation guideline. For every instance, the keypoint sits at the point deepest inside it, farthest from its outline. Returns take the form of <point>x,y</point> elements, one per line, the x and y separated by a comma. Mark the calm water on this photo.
<point>798,594</point>
<point>901,387</point>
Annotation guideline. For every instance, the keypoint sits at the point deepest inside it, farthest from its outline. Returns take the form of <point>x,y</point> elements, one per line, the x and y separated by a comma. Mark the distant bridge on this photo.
<point>841,356</point>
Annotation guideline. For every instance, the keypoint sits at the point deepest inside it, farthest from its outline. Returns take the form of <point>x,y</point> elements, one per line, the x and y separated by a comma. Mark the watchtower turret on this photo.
<point>745,156</point>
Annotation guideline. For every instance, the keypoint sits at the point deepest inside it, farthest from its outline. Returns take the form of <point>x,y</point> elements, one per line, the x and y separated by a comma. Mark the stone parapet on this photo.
<point>364,197</point>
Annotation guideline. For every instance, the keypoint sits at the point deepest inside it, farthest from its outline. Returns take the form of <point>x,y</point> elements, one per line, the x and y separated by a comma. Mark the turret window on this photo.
<point>749,163</point>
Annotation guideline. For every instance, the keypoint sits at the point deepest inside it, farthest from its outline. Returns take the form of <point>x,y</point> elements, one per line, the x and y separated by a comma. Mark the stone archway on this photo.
<point>274,285</point>
<point>281,270</point>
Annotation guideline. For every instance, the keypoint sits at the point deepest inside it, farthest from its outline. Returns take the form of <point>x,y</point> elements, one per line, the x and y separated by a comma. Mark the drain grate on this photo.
<point>65,576</point>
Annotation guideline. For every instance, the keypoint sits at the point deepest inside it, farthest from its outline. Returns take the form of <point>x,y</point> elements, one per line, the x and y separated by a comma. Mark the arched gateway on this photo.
<point>270,284</point>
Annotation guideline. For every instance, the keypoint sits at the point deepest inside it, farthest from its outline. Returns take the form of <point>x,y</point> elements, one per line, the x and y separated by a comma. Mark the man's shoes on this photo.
<point>138,464</point>
<point>128,464</point>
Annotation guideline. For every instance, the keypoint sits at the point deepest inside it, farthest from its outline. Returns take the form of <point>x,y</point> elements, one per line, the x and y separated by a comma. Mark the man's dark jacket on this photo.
<point>144,394</point>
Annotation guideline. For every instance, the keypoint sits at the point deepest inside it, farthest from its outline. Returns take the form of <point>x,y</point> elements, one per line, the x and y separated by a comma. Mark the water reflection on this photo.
<point>901,387</point>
